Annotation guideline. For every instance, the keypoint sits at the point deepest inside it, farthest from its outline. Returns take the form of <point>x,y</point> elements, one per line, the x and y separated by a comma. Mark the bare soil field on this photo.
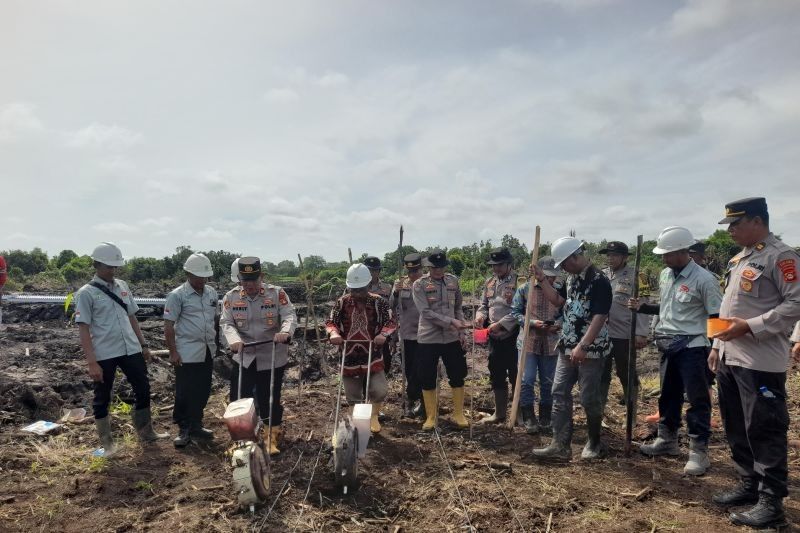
<point>486,481</point>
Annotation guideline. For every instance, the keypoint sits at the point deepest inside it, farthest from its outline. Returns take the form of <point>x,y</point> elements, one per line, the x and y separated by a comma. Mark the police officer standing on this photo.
<point>762,301</point>
<point>495,307</point>
<point>257,311</point>
<point>189,329</point>
<point>441,321</point>
<point>110,337</point>
<point>407,315</point>
<point>384,290</point>
<point>622,278</point>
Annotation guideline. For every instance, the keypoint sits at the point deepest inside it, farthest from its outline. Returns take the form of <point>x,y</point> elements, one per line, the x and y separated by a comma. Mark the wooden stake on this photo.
<point>512,420</point>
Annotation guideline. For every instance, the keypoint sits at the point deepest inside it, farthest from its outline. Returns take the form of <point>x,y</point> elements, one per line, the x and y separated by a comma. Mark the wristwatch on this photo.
<point>586,347</point>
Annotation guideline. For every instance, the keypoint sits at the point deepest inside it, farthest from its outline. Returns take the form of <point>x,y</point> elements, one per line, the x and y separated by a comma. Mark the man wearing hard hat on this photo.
<point>689,295</point>
<point>384,290</point>
<point>257,311</point>
<point>583,347</point>
<point>111,338</point>
<point>437,296</point>
<point>358,318</point>
<point>189,329</point>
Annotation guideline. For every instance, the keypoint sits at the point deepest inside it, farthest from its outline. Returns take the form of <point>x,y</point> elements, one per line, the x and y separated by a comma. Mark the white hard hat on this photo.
<point>672,239</point>
<point>563,248</point>
<point>199,265</point>
<point>358,276</point>
<point>235,270</point>
<point>109,254</point>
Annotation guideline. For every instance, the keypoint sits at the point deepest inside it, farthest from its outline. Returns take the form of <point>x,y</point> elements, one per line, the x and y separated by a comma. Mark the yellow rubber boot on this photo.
<point>431,407</point>
<point>273,440</point>
<point>374,424</point>
<point>458,407</point>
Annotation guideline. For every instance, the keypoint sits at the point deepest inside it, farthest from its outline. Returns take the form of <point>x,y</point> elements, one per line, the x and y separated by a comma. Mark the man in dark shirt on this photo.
<point>583,347</point>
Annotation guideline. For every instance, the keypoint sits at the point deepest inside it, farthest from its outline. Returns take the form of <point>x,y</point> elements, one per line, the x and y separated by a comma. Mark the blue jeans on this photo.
<point>543,366</point>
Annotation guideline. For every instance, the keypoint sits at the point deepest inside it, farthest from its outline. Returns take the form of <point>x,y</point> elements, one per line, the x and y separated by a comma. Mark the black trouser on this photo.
<point>411,357</point>
<point>755,417</point>
<point>259,379</point>
<point>455,364</point>
<point>684,371</point>
<point>192,389</point>
<point>503,361</point>
<point>135,369</point>
<point>619,358</point>
<point>386,352</point>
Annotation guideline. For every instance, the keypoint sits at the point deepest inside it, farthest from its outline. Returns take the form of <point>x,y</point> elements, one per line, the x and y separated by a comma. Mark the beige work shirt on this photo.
<point>619,318</point>
<point>405,310</point>
<point>109,324</point>
<point>246,319</point>
<point>761,286</point>
<point>439,304</point>
<point>498,295</point>
<point>193,315</point>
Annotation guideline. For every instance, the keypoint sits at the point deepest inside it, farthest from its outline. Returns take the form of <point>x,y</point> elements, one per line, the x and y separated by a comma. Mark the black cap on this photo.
<point>751,207</point>
<point>372,263</point>
<point>498,256</point>
<point>249,268</point>
<point>615,247</point>
<point>698,248</point>
<point>437,259</point>
<point>412,261</point>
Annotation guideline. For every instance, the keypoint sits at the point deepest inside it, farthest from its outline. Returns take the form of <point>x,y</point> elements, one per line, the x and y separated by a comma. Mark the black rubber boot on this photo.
<point>767,513</point>
<point>544,415</point>
<point>529,420</point>
<point>183,439</point>
<point>745,493</point>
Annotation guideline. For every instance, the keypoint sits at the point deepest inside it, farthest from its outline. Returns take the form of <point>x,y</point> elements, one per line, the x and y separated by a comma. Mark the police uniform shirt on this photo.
<point>405,309</point>
<point>619,317</point>
<point>439,304</point>
<point>381,288</point>
<point>246,319</point>
<point>193,315</point>
<point>498,296</point>
<point>109,324</point>
<point>686,302</point>
<point>761,286</point>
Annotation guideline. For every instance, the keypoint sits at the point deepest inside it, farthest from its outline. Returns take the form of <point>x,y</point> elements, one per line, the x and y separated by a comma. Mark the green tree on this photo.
<point>287,268</point>
<point>64,257</point>
<point>30,263</point>
<point>77,269</point>
<point>314,263</point>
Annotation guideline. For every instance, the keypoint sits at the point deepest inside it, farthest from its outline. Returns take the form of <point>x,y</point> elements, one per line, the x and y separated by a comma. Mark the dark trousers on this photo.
<point>135,370</point>
<point>411,357</point>
<point>386,353</point>
<point>685,371</point>
<point>455,364</point>
<point>192,389</point>
<point>619,358</point>
<point>259,380</point>
<point>503,361</point>
<point>755,417</point>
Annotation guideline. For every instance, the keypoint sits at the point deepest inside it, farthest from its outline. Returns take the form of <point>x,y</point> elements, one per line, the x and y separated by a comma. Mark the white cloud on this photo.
<point>17,120</point>
<point>281,96</point>
<point>102,136</point>
<point>333,79</point>
<point>213,234</point>
<point>112,228</point>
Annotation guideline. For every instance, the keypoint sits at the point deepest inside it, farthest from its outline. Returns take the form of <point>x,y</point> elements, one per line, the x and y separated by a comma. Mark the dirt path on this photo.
<point>53,484</point>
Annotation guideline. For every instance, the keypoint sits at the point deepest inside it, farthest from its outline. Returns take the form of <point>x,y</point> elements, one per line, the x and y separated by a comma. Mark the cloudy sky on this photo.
<point>273,128</point>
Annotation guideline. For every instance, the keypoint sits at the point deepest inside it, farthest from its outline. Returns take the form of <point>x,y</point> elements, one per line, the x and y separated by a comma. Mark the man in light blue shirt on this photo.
<point>110,337</point>
<point>189,329</point>
<point>689,296</point>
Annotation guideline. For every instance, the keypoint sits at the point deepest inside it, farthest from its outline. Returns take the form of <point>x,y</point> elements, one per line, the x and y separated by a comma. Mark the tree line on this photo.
<point>68,270</point>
